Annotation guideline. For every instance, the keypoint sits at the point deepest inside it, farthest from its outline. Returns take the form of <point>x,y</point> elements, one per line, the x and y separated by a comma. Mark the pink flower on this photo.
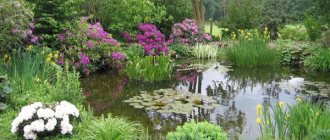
<point>118,56</point>
<point>89,44</point>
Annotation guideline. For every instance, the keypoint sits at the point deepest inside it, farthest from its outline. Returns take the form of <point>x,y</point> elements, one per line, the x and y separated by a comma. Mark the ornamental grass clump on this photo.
<point>205,51</point>
<point>304,120</point>
<point>197,131</point>
<point>38,120</point>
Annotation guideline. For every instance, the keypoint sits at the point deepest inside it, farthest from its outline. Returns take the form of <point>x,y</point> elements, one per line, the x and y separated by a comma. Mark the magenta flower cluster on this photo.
<point>187,33</point>
<point>97,32</point>
<point>151,39</point>
<point>128,38</point>
<point>118,56</point>
<point>27,34</point>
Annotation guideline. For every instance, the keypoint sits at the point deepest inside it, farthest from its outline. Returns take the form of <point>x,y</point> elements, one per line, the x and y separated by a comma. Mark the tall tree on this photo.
<point>199,10</point>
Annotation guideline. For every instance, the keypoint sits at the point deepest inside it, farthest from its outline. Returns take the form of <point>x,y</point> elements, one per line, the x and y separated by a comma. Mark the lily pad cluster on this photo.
<point>172,101</point>
<point>198,67</point>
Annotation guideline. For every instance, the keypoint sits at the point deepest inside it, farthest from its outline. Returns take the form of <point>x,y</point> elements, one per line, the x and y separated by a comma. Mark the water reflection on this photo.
<point>237,90</point>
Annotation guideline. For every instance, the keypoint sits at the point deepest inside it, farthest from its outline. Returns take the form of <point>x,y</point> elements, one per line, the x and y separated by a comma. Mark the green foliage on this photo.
<point>112,128</point>
<point>205,51</point>
<point>134,50</point>
<point>313,28</point>
<point>181,50</point>
<point>197,131</point>
<point>13,14</point>
<point>252,52</point>
<point>325,39</point>
<point>5,89</point>
<point>54,16</point>
<point>320,60</point>
<point>294,32</point>
<point>6,119</point>
<point>242,14</point>
<point>150,68</point>
<point>303,120</point>
<point>125,15</point>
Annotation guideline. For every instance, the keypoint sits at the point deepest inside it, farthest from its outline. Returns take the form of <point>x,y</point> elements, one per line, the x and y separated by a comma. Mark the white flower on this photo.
<point>27,129</point>
<point>38,125</point>
<point>66,127</point>
<point>14,125</point>
<point>36,105</point>
<point>30,135</point>
<point>45,113</point>
<point>70,108</point>
<point>50,125</point>
<point>59,111</point>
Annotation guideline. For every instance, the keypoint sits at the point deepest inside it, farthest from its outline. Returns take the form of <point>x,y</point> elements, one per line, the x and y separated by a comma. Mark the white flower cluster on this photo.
<point>38,119</point>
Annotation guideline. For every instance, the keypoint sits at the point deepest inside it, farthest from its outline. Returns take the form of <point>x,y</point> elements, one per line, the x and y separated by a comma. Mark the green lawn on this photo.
<point>216,30</point>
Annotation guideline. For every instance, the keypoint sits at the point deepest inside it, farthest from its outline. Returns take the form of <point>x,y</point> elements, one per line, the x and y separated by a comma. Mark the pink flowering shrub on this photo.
<point>88,47</point>
<point>151,39</point>
<point>187,33</point>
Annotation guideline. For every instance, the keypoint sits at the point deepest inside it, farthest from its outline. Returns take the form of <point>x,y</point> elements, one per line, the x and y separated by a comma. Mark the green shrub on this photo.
<point>112,128</point>
<point>303,120</point>
<point>313,28</point>
<point>205,51</point>
<point>181,50</point>
<point>320,60</point>
<point>294,32</point>
<point>252,52</point>
<point>5,89</point>
<point>134,50</point>
<point>197,131</point>
<point>15,16</point>
<point>150,68</point>
<point>325,39</point>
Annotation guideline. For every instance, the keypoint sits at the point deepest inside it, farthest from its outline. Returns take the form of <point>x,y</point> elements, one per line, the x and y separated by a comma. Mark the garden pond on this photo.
<point>203,90</point>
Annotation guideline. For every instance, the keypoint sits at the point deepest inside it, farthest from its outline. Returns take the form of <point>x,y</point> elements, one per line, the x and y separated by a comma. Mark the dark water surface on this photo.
<point>238,90</point>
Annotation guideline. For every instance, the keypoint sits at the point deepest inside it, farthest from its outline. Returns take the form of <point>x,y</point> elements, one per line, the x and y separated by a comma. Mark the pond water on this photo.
<point>237,90</point>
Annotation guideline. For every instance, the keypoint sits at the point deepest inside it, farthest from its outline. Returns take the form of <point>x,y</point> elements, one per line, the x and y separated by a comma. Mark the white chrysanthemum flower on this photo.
<point>30,135</point>
<point>66,127</point>
<point>59,113</point>
<point>27,129</point>
<point>50,125</point>
<point>70,108</point>
<point>36,105</point>
<point>38,125</point>
<point>16,122</point>
<point>45,113</point>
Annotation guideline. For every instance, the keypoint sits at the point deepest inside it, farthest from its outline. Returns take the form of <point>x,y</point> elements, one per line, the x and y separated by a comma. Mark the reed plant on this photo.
<point>320,61</point>
<point>301,121</point>
<point>205,51</point>
<point>150,68</point>
<point>252,52</point>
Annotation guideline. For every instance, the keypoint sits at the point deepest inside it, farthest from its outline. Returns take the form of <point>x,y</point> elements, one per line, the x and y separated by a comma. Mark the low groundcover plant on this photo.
<point>40,120</point>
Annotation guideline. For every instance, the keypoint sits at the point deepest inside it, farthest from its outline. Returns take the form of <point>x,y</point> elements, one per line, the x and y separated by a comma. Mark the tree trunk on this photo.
<point>198,11</point>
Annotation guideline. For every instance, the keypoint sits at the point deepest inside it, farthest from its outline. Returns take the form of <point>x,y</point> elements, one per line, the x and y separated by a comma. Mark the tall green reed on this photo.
<point>205,51</point>
<point>301,121</point>
<point>320,61</point>
<point>252,52</point>
<point>150,68</point>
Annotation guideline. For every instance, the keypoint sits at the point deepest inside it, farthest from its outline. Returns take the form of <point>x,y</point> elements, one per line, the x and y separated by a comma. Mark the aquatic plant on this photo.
<point>112,128</point>
<point>150,68</point>
<point>252,52</point>
<point>320,61</point>
<point>171,101</point>
<point>38,120</point>
<point>205,51</point>
<point>197,131</point>
<point>303,120</point>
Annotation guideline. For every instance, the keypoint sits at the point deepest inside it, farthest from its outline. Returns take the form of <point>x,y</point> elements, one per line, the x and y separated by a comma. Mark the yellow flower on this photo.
<point>259,120</point>
<point>50,55</point>
<point>259,109</point>
<point>48,59</point>
<point>29,47</point>
<point>6,56</point>
<point>317,113</point>
<point>56,55</point>
<point>281,104</point>
<point>298,99</point>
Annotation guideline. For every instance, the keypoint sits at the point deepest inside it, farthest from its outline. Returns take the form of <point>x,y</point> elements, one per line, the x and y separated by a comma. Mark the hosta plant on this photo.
<point>39,120</point>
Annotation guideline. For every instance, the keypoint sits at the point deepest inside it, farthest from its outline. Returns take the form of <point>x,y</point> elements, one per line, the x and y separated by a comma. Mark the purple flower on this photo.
<point>15,30</point>
<point>89,44</point>
<point>61,36</point>
<point>118,56</point>
<point>84,59</point>
<point>32,26</point>
<point>34,39</point>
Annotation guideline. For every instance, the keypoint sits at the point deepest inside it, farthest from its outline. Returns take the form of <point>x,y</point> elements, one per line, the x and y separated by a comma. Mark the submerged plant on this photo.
<point>150,68</point>
<point>205,51</point>
<point>197,131</point>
